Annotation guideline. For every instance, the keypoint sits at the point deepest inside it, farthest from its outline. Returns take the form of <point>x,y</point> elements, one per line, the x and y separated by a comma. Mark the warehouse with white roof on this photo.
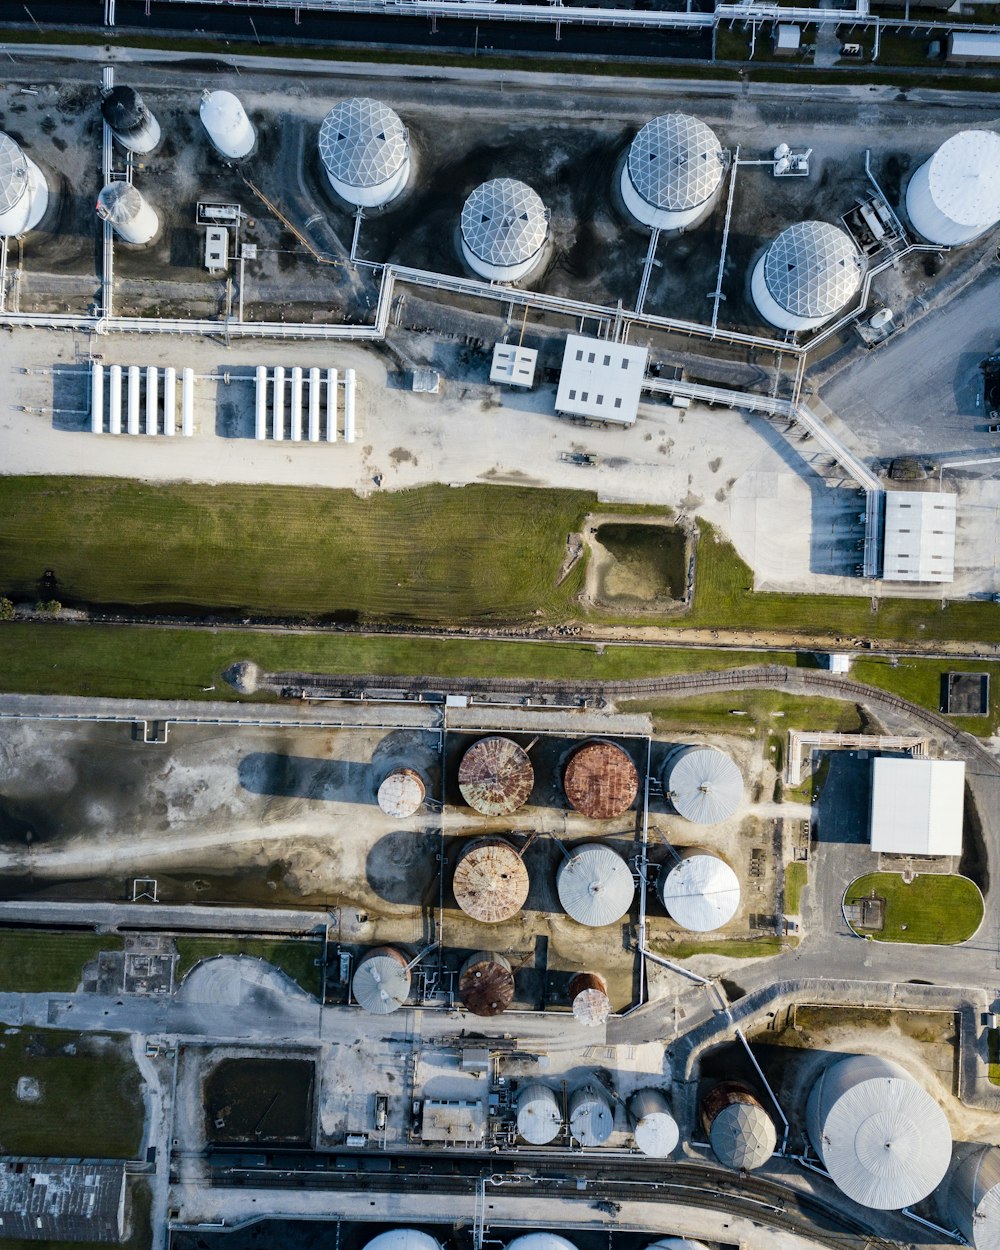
<point>919,536</point>
<point>601,380</point>
<point>917,806</point>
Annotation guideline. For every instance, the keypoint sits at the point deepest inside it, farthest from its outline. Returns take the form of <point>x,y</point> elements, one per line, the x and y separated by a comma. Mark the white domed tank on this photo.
<point>401,793</point>
<point>883,1139</point>
<point>588,996</point>
<point>538,1116</point>
<point>540,1241</point>
<point>704,784</point>
<point>595,885</point>
<point>403,1239</point>
<point>365,150</point>
<point>128,212</point>
<point>381,981</point>
<point>24,195</point>
<point>701,893</point>
<point>591,1120</point>
<point>676,1243</point>
<point>655,1130</point>
<point>673,172</point>
<point>954,197</point>
<point>230,130</point>
<point>131,122</point>
<point>741,1133</point>
<point>504,228</point>
<point>974,1198</point>
<point>810,272</point>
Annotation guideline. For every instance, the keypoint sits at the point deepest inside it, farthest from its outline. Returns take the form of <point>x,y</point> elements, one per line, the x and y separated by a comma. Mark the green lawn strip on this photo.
<point>919,681</point>
<point>936,909</point>
<point>32,961</point>
<point>737,948</point>
<point>91,1098</point>
<point>748,713</point>
<point>796,876</point>
<point>993,1051</point>
<point>295,956</point>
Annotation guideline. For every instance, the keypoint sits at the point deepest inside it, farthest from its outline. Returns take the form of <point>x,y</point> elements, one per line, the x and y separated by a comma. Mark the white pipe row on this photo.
<point>142,409</point>
<point>306,393</point>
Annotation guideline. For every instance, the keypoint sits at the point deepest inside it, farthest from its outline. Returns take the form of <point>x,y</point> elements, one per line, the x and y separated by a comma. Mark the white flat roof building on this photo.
<point>513,365</point>
<point>601,380</point>
<point>917,806</point>
<point>919,543</point>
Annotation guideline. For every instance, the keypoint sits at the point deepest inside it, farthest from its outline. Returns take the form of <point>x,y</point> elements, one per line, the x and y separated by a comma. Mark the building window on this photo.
<point>600,399</point>
<point>579,355</point>
<point>618,401</point>
<point>625,364</point>
<point>590,358</point>
<point>607,361</point>
<point>572,394</point>
<point>584,397</point>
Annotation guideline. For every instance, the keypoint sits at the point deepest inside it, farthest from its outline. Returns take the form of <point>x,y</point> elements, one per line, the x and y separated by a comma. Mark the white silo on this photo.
<point>595,885</point>
<point>128,211</point>
<point>591,1120</point>
<point>133,125</point>
<point>810,272</point>
<point>701,892</point>
<point>883,1139</point>
<point>230,130</point>
<point>381,981</point>
<point>504,228</point>
<point>655,1130</point>
<point>538,1116</point>
<point>403,1239</point>
<point>954,197</point>
<point>703,784</point>
<point>673,172</point>
<point>24,196</point>
<point>365,149</point>
<point>974,1198</point>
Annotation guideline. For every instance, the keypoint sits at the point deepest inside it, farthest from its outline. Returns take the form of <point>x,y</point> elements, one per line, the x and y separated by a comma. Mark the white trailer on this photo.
<point>97,398</point>
<point>349,387</point>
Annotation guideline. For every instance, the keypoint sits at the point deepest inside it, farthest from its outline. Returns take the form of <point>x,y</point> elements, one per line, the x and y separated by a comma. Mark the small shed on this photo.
<point>513,365</point>
<point>787,39</point>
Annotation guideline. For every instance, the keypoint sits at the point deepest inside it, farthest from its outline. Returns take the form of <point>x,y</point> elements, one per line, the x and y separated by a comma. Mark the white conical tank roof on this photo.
<point>595,885</point>
<point>704,785</point>
<point>964,178</point>
<point>381,981</point>
<point>655,1130</point>
<point>883,1139</point>
<point>363,143</point>
<point>119,203</point>
<point>974,1198</point>
<point>676,1243</point>
<point>813,269</point>
<point>676,162</point>
<point>403,1239</point>
<point>591,1120</point>
<point>701,893</point>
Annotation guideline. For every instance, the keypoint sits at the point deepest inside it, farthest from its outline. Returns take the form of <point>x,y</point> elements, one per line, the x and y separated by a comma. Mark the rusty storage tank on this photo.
<point>974,1198</point>
<point>655,1129</point>
<point>538,1116</point>
<point>486,984</point>
<point>588,995</point>
<point>495,776</point>
<point>741,1132</point>
<point>490,881</point>
<point>591,1119</point>
<point>381,980</point>
<point>600,780</point>
<point>401,794</point>
<point>595,885</point>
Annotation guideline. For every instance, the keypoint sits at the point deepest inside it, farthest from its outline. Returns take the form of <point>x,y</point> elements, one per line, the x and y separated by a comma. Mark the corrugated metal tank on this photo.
<point>655,1129</point>
<point>490,882</point>
<point>486,984</point>
<point>595,885</point>
<point>974,1198</point>
<point>381,981</point>
<point>495,776</point>
<point>591,1120</point>
<point>538,1116</point>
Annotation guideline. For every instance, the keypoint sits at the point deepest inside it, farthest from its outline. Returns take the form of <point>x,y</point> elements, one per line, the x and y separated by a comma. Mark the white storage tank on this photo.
<point>403,1239</point>
<point>655,1129</point>
<point>701,892</point>
<point>595,885</point>
<point>97,398</point>
<point>538,1117</point>
<point>504,228</point>
<point>673,172</point>
<point>591,1120</point>
<point>741,1133</point>
<point>24,195</point>
<point>128,212</point>
<point>169,401</point>
<point>227,124</point>
<point>883,1139</point>
<point>704,785</point>
<point>954,197</point>
<point>381,981</point>
<point>401,793</point>
<point>974,1198</point>
<point>131,122</point>
<point>115,399</point>
<point>676,1243</point>
<point>810,272</point>
<point>365,149</point>
<point>540,1241</point>
<point>588,996</point>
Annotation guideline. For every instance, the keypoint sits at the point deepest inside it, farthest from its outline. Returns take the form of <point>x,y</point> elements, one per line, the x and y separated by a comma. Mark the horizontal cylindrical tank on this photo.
<point>703,783</point>
<point>701,892</point>
<point>954,197</point>
<point>365,150</point>
<point>295,405</point>
<point>381,981</point>
<point>24,195</point>
<point>134,389</point>
<point>538,1116</point>
<point>403,1239</point>
<point>486,984</point>
<point>401,793</point>
<point>128,213</point>
<point>655,1129</point>
<point>504,228</point>
<point>810,272</point>
<point>350,393</point>
<point>495,776</point>
<point>260,403</point>
<point>97,398</point>
<point>115,399</point>
<point>600,780</point>
<point>974,1198</point>
<point>187,402</point>
<point>227,124</point>
<point>588,996</point>
<point>133,125</point>
<point>595,885</point>
<point>490,881</point>
<point>673,172</point>
<point>591,1119</point>
<point>740,1131</point>
<point>170,401</point>
<point>883,1139</point>
<point>331,405</point>
<point>152,400</point>
<point>278,405</point>
<point>315,404</point>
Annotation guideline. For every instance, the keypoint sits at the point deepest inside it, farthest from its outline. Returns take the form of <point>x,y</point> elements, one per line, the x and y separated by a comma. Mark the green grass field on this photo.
<point>747,713</point>
<point>737,948</point>
<point>796,876</point>
<point>993,1051</point>
<point>297,957</point>
<point>32,961</point>
<point>91,1098</point>
<point>939,910</point>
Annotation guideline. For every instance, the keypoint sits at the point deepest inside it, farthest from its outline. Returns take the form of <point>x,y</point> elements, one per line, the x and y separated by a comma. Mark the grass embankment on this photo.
<point>933,909</point>
<point>32,961</point>
<point>749,713</point>
<point>297,957</point>
<point>738,948</point>
<point>796,876</point>
<point>993,1053</point>
<point>90,1102</point>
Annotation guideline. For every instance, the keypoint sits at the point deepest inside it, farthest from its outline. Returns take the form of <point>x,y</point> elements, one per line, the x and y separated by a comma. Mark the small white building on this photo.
<point>919,537</point>
<point>513,365</point>
<point>917,806</point>
<point>601,380</point>
<point>788,39</point>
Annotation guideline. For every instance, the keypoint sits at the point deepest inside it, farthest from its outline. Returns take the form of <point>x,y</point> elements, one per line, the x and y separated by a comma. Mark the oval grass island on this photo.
<point>935,909</point>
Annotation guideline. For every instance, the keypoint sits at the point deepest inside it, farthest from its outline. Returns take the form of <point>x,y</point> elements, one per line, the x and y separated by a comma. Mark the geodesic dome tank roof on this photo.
<point>676,162</point>
<point>504,222</point>
<point>813,269</point>
<point>743,1136</point>
<point>704,785</point>
<point>362,142</point>
<point>13,173</point>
